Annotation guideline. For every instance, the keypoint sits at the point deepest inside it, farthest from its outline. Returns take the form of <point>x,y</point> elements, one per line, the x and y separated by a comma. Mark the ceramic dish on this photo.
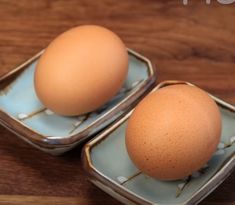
<point>106,160</point>
<point>23,114</point>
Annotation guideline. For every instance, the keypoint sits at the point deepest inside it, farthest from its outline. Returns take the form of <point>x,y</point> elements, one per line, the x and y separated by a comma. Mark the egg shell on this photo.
<point>173,132</point>
<point>81,70</point>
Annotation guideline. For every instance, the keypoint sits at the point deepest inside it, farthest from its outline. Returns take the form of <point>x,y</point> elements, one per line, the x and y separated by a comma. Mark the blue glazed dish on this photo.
<point>110,168</point>
<point>22,113</point>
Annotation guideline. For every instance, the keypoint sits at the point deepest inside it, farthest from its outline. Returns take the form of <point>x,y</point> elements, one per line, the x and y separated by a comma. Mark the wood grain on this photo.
<point>195,43</point>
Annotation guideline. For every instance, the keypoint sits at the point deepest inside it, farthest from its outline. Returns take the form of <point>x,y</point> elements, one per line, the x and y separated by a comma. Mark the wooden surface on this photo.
<point>194,43</point>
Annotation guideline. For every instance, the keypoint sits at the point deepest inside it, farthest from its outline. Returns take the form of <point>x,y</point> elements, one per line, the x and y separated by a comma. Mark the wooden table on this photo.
<point>195,43</point>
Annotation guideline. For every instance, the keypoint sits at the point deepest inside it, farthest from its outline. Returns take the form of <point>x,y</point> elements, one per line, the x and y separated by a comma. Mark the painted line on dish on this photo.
<point>131,177</point>
<point>24,116</point>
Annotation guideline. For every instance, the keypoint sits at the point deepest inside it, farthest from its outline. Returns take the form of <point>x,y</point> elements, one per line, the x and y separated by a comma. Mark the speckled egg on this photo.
<point>173,132</point>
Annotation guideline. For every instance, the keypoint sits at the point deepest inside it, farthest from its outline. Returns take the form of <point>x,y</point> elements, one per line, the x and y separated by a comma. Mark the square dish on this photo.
<point>106,160</point>
<point>22,113</point>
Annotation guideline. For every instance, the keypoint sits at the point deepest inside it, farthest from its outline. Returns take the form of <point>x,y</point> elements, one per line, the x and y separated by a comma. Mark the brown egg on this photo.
<point>81,70</point>
<point>173,132</point>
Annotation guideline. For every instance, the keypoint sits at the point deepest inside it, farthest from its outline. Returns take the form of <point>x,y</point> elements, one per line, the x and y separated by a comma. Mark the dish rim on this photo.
<point>52,142</point>
<point>224,171</point>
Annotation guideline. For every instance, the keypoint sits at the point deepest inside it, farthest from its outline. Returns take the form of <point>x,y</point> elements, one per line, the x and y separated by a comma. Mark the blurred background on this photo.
<point>193,42</point>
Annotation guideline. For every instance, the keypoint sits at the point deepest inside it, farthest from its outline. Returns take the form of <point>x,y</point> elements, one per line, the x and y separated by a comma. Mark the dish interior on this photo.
<point>110,158</point>
<point>19,101</point>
